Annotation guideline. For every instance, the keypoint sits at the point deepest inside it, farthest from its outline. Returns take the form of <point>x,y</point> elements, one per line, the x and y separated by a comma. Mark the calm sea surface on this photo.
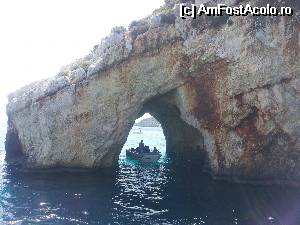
<point>161,193</point>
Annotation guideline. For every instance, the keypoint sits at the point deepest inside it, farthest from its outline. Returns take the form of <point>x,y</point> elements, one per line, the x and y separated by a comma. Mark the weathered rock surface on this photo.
<point>227,88</point>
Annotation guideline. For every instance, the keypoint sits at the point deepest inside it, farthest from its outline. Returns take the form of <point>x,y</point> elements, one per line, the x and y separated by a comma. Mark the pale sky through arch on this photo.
<point>38,37</point>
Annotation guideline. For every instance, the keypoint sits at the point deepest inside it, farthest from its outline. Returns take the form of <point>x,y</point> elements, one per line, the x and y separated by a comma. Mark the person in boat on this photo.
<point>141,144</point>
<point>141,147</point>
<point>147,149</point>
<point>155,150</point>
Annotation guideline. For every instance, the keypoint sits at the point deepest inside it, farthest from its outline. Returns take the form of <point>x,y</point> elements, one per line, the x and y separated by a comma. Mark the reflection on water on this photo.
<point>160,193</point>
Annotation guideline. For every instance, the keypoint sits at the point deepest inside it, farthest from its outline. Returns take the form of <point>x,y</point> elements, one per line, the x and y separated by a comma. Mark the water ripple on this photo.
<point>160,193</point>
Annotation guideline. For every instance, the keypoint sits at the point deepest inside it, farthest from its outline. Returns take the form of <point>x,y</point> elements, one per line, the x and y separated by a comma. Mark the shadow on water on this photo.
<point>58,198</point>
<point>166,192</point>
<point>177,193</point>
<point>161,193</point>
<point>137,194</point>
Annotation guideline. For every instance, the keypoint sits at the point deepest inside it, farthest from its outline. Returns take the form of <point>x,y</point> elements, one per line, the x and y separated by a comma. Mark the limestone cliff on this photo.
<point>225,87</point>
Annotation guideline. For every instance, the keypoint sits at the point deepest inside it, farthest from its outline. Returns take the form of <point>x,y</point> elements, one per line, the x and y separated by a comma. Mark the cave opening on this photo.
<point>148,129</point>
<point>175,138</point>
<point>15,155</point>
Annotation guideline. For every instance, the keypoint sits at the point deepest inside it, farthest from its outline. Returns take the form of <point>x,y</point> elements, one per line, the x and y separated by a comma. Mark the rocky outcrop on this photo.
<point>148,122</point>
<point>225,87</point>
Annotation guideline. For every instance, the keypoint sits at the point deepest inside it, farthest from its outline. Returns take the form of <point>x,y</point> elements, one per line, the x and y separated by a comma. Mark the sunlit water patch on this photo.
<point>160,193</point>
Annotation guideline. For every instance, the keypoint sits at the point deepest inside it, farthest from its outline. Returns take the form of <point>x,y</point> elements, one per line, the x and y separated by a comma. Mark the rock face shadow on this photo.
<point>183,141</point>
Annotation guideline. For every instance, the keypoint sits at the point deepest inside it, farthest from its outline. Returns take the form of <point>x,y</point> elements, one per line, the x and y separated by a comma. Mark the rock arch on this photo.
<point>232,88</point>
<point>183,141</point>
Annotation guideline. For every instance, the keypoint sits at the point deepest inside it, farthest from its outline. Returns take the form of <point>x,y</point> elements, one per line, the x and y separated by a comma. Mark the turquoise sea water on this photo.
<point>161,193</point>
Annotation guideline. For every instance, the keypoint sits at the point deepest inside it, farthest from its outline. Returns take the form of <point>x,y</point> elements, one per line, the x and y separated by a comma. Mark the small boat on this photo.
<point>138,131</point>
<point>143,156</point>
